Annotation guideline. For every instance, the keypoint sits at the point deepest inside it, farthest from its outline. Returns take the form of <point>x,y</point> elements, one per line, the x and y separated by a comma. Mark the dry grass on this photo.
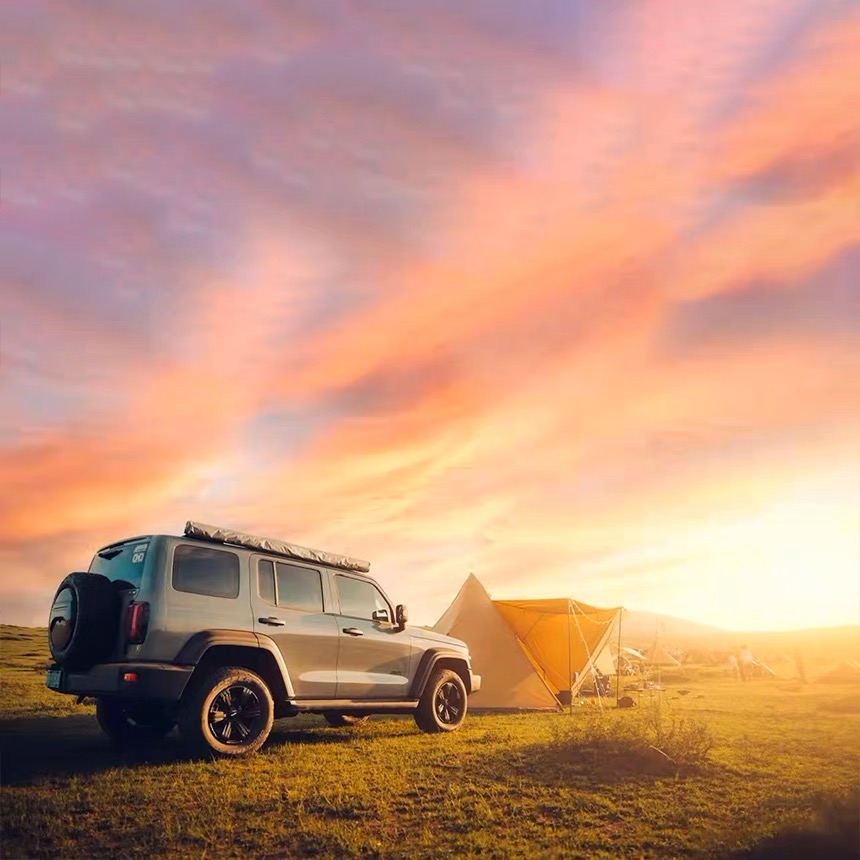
<point>722,770</point>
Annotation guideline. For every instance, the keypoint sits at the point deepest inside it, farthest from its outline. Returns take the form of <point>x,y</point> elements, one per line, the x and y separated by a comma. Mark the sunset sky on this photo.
<point>563,294</point>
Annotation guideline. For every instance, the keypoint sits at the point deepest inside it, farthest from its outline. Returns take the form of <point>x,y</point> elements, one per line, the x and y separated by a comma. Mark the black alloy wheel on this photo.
<point>449,703</point>
<point>234,714</point>
<point>227,711</point>
<point>443,705</point>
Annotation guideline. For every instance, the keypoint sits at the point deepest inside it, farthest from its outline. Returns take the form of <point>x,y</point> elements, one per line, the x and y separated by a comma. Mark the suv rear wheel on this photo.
<point>339,721</point>
<point>133,722</point>
<point>443,706</point>
<point>228,712</point>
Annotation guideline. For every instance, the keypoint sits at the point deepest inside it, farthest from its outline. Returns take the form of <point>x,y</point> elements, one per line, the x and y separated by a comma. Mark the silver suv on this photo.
<point>223,632</point>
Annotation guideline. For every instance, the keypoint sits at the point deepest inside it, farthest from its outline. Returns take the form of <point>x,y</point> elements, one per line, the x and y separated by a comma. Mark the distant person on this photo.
<point>747,663</point>
<point>799,665</point>
<point>734,667</point>
<point>602,683</point>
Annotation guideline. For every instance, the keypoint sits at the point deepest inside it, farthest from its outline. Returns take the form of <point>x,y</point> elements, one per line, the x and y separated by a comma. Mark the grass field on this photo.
<point>709,768</point>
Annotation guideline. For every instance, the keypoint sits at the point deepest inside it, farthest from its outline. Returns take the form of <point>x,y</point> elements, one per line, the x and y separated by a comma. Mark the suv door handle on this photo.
<point>353,631</point>
<point>275,622</point>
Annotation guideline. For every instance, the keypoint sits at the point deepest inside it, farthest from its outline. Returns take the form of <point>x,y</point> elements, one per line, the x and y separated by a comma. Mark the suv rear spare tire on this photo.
<point>227,712</point>
<point>443,706</point>
<point>82,626</point>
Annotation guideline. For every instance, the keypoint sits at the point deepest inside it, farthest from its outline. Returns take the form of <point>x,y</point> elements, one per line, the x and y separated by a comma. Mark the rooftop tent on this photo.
<point>527,651</point>
<point>219,534</point>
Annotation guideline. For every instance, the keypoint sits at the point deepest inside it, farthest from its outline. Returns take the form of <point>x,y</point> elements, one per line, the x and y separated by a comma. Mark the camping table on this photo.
<point>652,690</point>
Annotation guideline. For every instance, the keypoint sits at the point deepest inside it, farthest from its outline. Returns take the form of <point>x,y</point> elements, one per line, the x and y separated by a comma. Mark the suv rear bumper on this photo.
<point>129,680</point>
<point>475,681</point>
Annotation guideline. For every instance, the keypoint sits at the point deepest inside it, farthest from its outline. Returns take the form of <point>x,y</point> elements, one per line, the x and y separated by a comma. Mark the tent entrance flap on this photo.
<point>560,640</point>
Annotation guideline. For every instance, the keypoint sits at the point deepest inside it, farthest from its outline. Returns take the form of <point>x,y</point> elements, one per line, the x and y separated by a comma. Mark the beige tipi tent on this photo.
<point>661,656</point>
<point>527,651</point>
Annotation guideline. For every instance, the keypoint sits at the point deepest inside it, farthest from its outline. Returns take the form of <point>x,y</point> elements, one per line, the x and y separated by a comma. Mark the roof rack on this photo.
<point>218,534</point>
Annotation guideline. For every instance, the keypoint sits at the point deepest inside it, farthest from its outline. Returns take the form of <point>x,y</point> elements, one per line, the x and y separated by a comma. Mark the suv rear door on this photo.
<point>292,607</point>
<point>203,587</point>
<point>374,657</point>
<point>127,564</point>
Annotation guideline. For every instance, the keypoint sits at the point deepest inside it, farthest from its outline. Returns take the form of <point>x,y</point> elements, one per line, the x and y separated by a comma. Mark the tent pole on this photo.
<point>569,665</point>
<point>618,661</point>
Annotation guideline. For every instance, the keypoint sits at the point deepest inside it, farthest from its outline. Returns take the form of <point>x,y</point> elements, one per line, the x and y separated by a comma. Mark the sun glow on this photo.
<point>795,563</point>
<point>566,298</point>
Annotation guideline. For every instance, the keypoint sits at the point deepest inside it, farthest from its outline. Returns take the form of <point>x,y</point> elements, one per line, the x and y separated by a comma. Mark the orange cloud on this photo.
<point>805,110</point>
<point>498,372</point>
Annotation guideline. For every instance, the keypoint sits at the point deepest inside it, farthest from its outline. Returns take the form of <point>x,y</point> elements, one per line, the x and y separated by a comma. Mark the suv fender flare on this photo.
<point>193,651</point>
<point>430,659</point>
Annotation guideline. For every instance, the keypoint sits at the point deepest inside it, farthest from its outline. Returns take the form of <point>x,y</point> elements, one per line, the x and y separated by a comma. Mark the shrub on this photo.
<point>646,742</point>
<point>832,834</point>
<point>685,742</point>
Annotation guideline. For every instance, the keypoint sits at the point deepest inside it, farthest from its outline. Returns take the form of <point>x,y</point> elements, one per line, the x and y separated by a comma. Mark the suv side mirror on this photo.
<point>401,615</point>
<point>380,615</point>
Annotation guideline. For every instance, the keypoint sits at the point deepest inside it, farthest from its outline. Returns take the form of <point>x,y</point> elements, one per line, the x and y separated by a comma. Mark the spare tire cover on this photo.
<point>82,625</point>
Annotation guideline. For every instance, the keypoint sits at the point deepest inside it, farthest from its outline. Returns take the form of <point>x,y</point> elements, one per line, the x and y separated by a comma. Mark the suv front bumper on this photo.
<point>475,682</point>
<point>129,680</point>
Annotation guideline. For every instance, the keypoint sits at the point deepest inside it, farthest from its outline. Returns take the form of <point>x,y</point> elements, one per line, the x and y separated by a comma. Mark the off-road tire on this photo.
<point>88,635</point>
<point>133,723</point>
<point>338,720</point>
<point>228,712</point>
<point>443,706</point>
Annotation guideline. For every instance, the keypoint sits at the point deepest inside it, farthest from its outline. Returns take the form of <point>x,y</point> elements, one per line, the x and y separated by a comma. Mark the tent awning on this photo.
<point>561,636</point>
<point>559,606</point>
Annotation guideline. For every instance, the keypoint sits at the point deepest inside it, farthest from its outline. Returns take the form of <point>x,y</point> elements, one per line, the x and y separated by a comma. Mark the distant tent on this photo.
<point>629,661</point>
<point>846,672</point>
<point>597,681</point>
<point>527,651</point>
<point>605,662</point>
<point>661,656</point>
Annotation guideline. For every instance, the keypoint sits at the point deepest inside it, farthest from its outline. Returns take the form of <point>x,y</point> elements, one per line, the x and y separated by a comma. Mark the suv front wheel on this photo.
<point>228,712</point>
<point>443,706</point>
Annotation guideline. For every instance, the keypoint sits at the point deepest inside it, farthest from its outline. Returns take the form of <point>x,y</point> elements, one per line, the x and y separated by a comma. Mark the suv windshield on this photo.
<point>123,562</point>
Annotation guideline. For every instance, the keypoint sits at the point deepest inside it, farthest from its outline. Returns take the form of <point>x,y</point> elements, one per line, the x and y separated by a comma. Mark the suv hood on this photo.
<point>433,636</point>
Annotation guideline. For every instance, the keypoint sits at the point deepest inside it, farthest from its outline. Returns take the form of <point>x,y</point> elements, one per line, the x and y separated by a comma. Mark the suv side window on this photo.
<point>202,570</point>
<point>290,586</point>
<point>359,598</point>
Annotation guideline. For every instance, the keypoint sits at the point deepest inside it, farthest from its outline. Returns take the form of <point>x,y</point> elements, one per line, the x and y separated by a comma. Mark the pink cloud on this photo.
<point>454,269</point>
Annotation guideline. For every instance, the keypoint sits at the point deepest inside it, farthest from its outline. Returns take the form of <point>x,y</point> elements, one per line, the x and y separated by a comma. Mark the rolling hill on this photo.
<point>818,646</point>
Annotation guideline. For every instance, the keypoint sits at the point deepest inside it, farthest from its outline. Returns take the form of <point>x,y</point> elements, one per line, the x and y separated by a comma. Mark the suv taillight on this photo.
<point>136,622</point>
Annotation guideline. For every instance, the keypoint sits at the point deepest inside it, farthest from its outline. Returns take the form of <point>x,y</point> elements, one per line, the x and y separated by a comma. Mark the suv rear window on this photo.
<point>203,570</point>
<point>290,586</point>
<point>124,562</point>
